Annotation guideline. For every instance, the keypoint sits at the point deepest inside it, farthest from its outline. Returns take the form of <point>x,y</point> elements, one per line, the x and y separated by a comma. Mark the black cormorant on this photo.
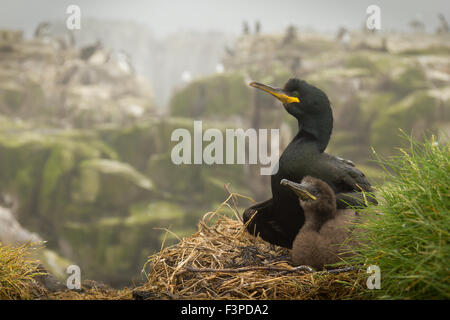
<point>279,219</point>
<point>324,237</point>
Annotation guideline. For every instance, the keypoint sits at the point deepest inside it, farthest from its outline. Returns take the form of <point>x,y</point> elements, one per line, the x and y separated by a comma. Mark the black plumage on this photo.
<point>279,219</point>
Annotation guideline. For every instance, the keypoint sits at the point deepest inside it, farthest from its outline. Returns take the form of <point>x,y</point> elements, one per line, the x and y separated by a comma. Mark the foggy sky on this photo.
<point>168,16</point>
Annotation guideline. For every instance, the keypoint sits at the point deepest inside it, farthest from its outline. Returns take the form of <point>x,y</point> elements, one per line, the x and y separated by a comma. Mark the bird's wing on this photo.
<point>345,176</point>
<point>259,220</point>
<point>346,161</point>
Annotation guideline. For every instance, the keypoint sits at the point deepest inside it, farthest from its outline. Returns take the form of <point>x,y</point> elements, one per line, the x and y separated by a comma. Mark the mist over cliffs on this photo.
<point>163,60</point>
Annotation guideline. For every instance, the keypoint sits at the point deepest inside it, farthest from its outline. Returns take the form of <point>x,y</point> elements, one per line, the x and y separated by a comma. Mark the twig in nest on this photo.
<point>246,269</point>
<point>305,269</point>
<point>341,270</point>
<point>235,208</point>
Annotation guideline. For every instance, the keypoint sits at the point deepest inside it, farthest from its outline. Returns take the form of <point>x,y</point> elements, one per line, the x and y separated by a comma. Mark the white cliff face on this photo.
<point>12,233</point>
<point>51,82</point>
<point>162,60</point>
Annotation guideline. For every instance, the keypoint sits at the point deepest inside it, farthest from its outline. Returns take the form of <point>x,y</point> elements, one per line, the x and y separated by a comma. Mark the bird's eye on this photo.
<point>295,94</point>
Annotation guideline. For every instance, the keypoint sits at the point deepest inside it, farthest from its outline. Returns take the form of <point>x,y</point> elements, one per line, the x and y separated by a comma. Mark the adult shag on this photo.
<point>279,219</point>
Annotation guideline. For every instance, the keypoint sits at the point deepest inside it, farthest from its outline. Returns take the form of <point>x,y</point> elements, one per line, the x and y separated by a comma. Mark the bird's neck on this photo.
<point>315,218</point>
<point>318,133</point>
<point>312,225</point>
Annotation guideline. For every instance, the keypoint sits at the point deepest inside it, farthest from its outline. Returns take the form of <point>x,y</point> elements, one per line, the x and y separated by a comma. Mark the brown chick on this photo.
<point>322,238</point>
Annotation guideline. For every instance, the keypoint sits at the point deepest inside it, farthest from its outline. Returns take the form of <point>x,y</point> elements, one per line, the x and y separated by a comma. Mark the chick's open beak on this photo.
<point>276,92</point>
<point>300,190</point>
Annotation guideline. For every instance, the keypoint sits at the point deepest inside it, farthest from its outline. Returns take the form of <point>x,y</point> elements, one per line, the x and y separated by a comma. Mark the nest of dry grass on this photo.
<point>222,261</point>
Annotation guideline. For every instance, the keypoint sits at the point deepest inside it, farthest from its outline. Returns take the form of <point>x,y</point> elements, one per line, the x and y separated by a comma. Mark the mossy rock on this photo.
<point>410,79</point>
<point>109,184</point>
<point>22,160</point>
<point>12,124</point>
<point>146,212</point>
<point>136,143</point>
<point>418,113</point>
<point>374,104</point>
<point>184,181</point>
<point>216,96</point>
<point>362,61</point>
<point>13,99</point>
<point>114,249</point>
<point>42,169</point>
<point>431,50</point>
<point>193,181</point>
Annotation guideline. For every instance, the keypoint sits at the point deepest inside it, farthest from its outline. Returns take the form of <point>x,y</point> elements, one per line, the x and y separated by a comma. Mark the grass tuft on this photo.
<point>407,234</point>
<point>17,272</point>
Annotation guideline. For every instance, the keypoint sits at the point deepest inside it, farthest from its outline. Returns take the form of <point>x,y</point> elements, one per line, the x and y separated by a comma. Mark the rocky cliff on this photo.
<point>87,161</point>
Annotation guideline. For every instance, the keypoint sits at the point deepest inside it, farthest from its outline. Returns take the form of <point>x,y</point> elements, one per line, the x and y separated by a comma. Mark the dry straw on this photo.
<point>222,261</point>
<point>91,290</point>
<point>18,272</point>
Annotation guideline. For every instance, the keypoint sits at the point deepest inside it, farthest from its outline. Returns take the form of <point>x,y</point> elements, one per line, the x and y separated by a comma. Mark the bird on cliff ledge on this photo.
<point>324,237</point>
<point>279,219</point>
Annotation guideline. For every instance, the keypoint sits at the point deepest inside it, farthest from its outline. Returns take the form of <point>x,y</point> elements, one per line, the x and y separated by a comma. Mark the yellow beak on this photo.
<point>276,92</point>
<point>301,191</point>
